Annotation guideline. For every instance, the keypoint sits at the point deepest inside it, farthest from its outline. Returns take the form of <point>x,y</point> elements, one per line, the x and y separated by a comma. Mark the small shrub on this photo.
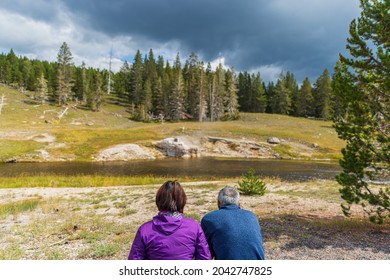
<point>251,184</point>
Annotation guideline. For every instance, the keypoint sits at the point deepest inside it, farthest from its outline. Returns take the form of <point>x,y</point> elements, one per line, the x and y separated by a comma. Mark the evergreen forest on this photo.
<point>151,88</point>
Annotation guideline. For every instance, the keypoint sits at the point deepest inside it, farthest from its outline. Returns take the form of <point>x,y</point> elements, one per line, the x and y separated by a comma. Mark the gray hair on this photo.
<point>229,196</point>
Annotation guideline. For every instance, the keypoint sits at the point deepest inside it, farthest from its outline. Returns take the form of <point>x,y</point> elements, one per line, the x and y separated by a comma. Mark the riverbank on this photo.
<point>300,220</point>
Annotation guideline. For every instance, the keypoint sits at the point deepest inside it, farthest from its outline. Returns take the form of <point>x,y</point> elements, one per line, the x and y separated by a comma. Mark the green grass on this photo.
<point>15,208</point>
<point>101,251</point>
<point>84,143</point>
<point>128,212</point>
<point>83,181</point>
<point>200,202</point>
<point>112,126</point>
<point>13,148</point>
<point>78,181</point>
<point>285,150</point>
<point>11,252</point>
<point>329,192</point>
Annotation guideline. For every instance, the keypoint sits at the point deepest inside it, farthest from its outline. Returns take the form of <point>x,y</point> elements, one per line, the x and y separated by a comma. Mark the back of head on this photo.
<point>171,197</point>
<point>228,196</point>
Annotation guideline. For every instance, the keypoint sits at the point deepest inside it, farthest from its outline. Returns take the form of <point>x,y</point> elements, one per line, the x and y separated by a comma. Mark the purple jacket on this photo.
<point>170,238</point>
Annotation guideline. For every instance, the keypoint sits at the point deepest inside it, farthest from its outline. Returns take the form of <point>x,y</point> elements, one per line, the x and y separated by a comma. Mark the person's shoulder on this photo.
<point>146,225</point>
<point>190,222</point>
<point>211,215</point>
<point>248,214</point>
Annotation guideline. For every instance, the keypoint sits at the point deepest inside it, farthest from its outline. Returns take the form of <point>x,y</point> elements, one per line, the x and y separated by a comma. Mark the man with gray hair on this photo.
<point>233,233</point>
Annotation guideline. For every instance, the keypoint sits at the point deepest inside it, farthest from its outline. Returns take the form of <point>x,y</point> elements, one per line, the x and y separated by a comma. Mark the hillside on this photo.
<point>33,132</point>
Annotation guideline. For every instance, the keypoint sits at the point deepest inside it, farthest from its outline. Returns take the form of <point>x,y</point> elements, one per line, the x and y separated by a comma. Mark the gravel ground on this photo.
<point>298,238</point>
<point>71,223</point>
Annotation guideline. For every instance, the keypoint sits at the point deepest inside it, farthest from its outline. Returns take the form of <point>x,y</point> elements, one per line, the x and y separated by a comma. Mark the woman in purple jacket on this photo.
<point>170,235</point>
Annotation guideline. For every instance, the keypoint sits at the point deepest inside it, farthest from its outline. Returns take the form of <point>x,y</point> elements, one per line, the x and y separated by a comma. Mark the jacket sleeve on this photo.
<point>202,251</point>
<point>138,251</point>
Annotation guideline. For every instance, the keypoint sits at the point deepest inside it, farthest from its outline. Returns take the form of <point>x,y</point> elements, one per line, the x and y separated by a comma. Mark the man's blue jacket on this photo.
<point>233,234</point>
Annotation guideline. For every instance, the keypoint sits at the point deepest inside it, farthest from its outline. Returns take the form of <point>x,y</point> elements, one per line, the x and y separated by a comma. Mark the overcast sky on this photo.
<point>301,36</point>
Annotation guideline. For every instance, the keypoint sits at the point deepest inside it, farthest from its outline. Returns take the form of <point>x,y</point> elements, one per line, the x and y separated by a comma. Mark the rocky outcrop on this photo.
<point>177,147</point>
<point>184,146</point>
<point>190,147</point>
<point>223,147</point>
<point>125,152</point>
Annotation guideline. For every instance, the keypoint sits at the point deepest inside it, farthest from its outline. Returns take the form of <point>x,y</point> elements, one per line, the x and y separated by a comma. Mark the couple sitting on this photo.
<point>229,233</point>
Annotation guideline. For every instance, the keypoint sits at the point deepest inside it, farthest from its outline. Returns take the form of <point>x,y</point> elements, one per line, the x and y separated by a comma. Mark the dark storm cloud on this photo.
<point>38,9</point>
<point>302,36</point>
<point>298,35</point>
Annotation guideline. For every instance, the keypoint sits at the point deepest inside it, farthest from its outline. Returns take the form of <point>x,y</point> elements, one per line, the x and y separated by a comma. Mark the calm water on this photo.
<point>176,168</point>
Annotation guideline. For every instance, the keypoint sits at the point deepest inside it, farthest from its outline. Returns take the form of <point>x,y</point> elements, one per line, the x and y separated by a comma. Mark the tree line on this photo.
<point>152,88</point>
<point>56,83</point>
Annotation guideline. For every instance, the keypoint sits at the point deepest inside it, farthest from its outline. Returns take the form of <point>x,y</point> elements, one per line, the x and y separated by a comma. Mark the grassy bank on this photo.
<point>80,134</point>
<point>83,181</point>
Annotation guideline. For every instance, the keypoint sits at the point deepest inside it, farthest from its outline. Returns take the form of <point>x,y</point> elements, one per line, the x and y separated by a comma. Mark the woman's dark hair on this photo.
<point>171,197</point>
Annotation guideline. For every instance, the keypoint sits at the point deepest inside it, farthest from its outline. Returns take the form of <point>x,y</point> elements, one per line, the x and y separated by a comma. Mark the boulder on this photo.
<point>176,147</point>
<point>273,140</point>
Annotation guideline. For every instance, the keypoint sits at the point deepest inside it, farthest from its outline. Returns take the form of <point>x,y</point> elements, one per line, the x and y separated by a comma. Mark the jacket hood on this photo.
<point>166,224</point>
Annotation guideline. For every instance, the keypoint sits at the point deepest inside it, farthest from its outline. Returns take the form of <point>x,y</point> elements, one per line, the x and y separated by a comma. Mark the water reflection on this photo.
<point>177,168</point>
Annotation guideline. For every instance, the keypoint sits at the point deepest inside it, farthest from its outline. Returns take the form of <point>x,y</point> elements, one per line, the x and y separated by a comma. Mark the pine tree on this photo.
<point>202,92</point>
<point>362,84</point>
<point>121,85</point>
<point>260,99</point>
<point>64,75</point>
<point>80,84</point>
<point>42,91</point>
<point>218,94</point>
<point>304,100</point>
<point>244,92</point>
<point>158,98</point>
<point>270,93</point>
<point>281,102</point>
<point>293,88</point>
<point>13,73</point>
<point>147,101</point>
<point>230,97</point>
<point>137,72</point>
<point>151,76</point>
<point>167,81</point>
<point>322,93</point>
<point>3,68</point>
<point>192,82</point>
<point>98,91</point>
<point>28,77</point>
<point>210,91</point>
<point>176,98</point>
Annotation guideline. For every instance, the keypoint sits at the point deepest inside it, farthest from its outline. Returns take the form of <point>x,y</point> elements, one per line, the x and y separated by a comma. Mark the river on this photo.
<point>288,170</point>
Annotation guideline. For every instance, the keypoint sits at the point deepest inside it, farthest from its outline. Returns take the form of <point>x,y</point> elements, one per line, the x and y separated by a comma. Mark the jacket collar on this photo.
<point>230,207</point>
